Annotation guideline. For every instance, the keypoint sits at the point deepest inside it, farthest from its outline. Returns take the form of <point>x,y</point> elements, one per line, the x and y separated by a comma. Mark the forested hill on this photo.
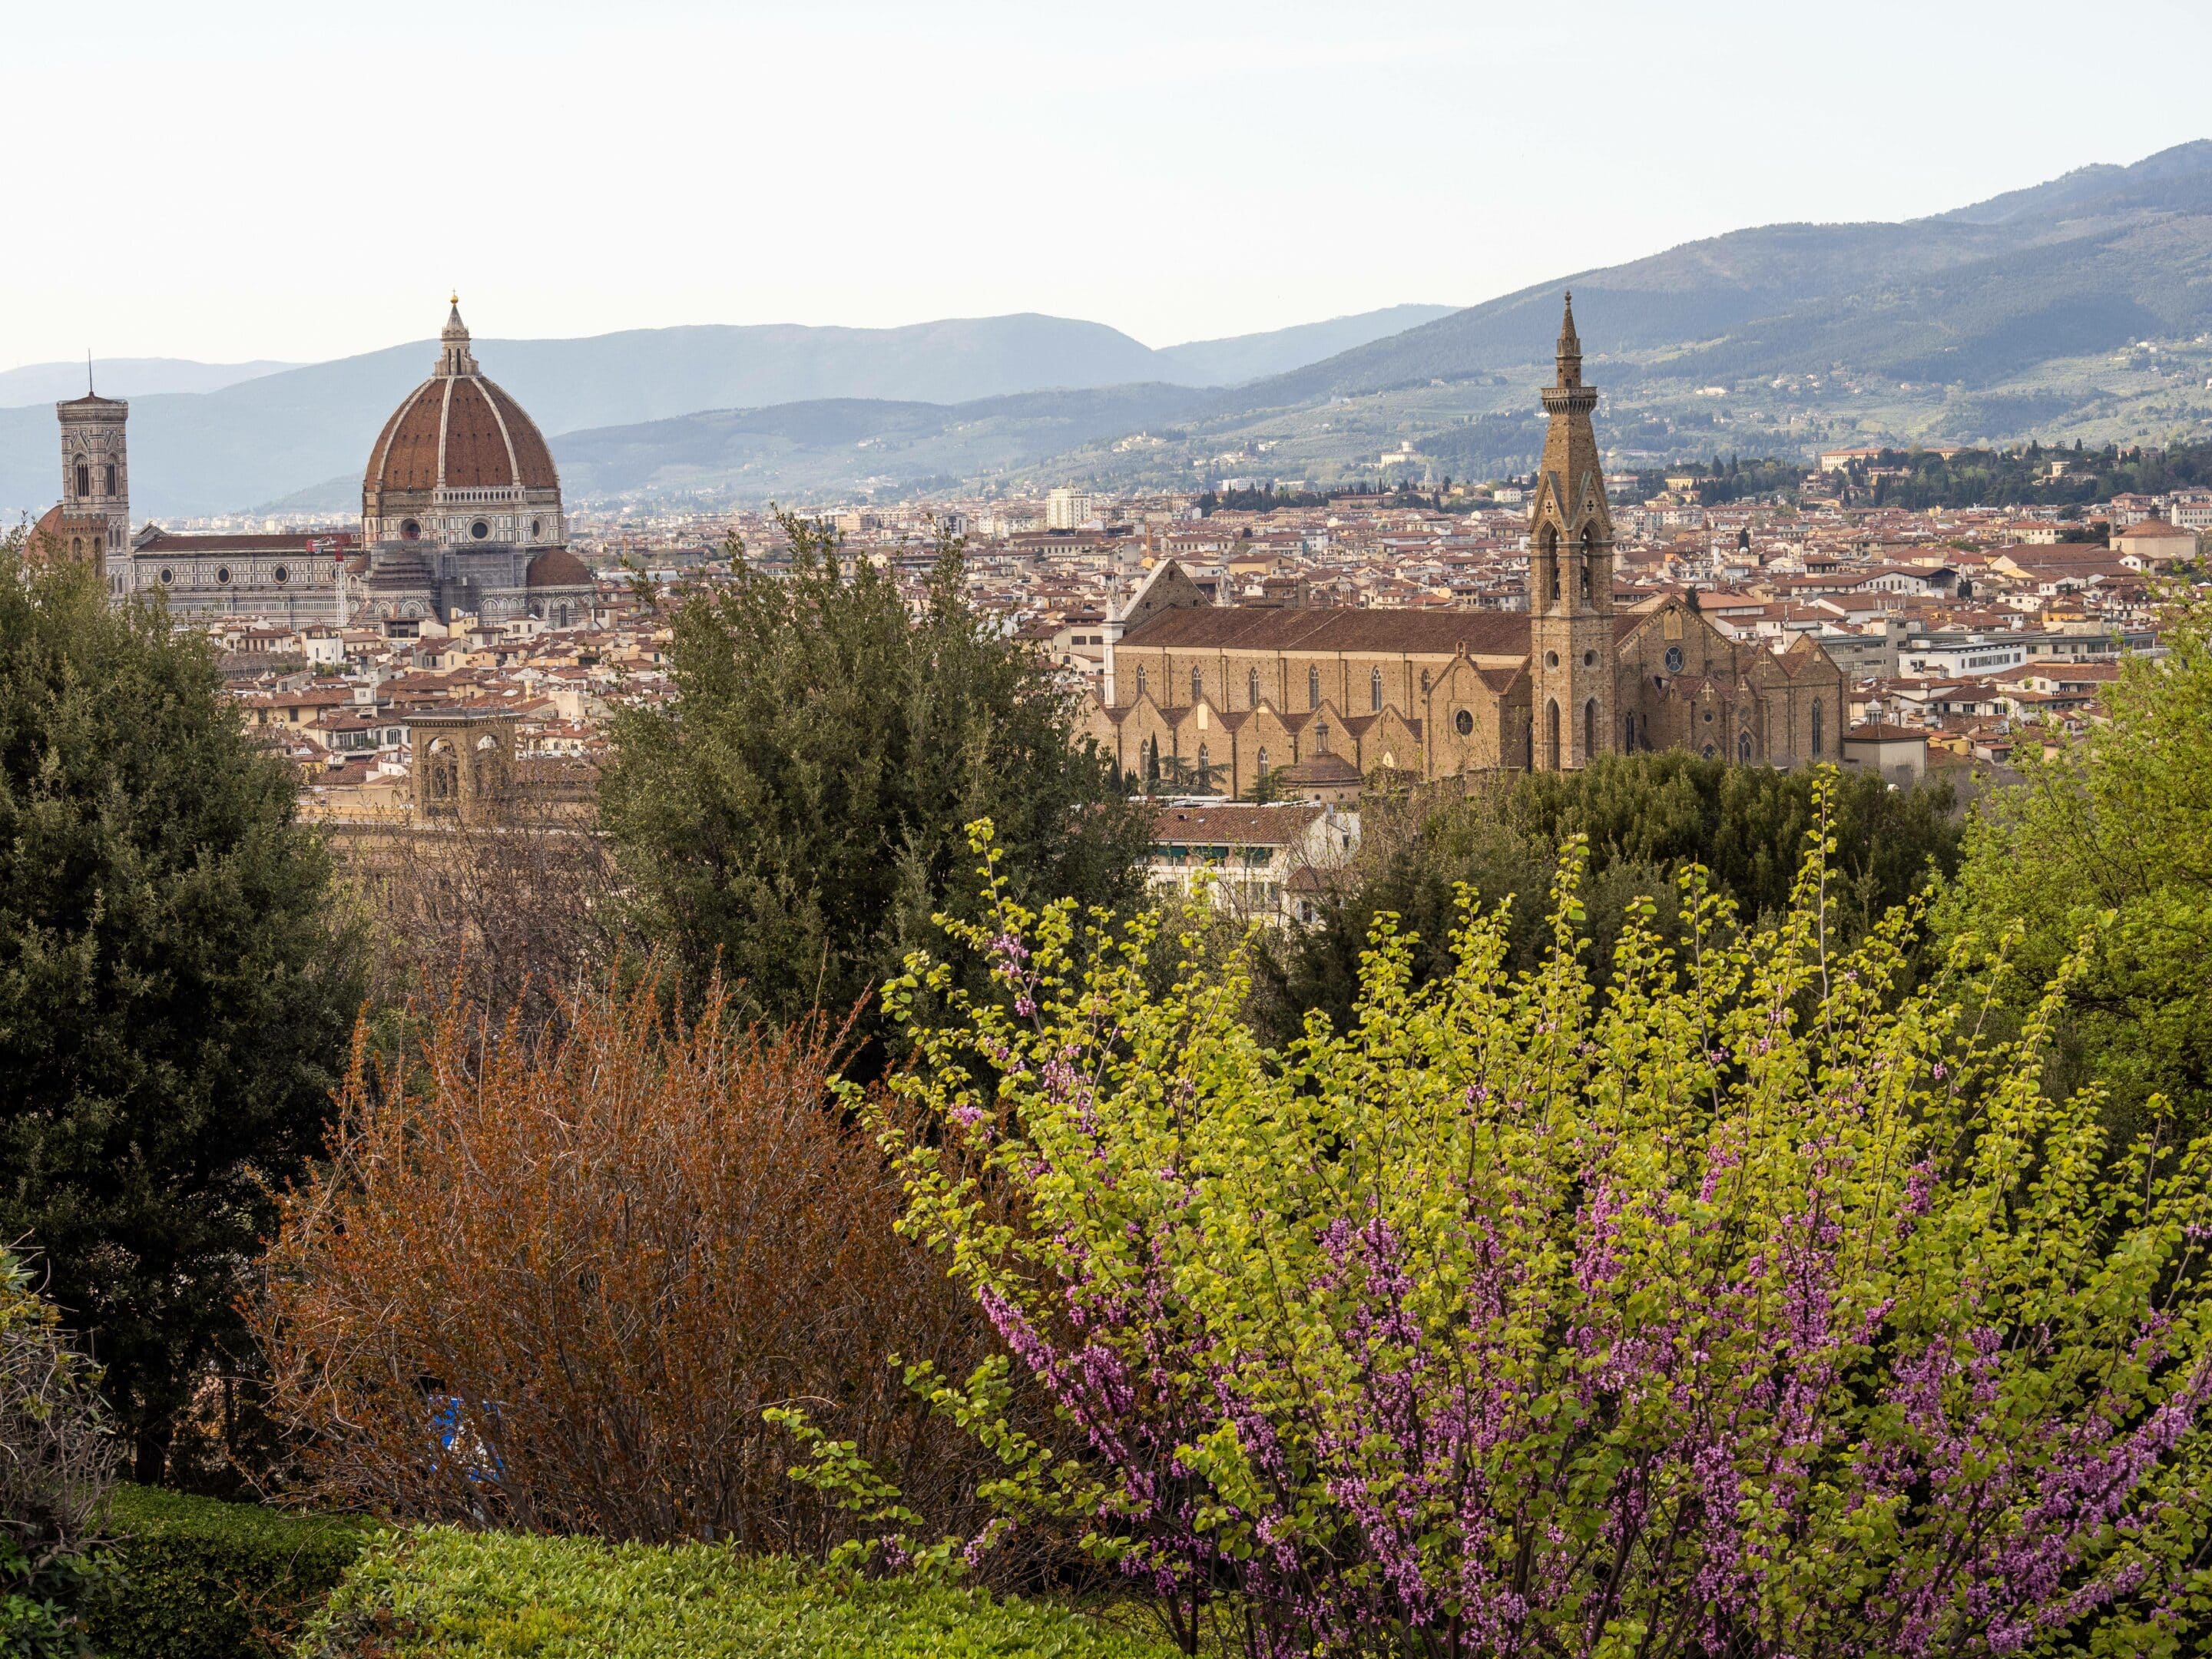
<point>2087,263</point>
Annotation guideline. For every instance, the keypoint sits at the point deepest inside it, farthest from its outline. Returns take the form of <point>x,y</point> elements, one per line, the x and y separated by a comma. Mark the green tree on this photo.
<point>1645,818</point>
<point>175,994</point>
<point>794,814</point>
<point>2110,839</point>
<point>1763,1304</point>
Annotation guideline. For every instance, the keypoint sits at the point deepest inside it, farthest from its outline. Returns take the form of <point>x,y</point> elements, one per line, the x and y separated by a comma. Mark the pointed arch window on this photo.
<point>1263,760</point>
<point>1205,765</point>
<point>1375,689</point>
<point>1743,748</point>
<point>1197,683</point>
<point>111,478</point>
<point>1552,734</point>
<point>1627,734</point>
<point>1252,688</point>
<point>1585,575</point>
<point>1313,688</point>
<point>83,478</point>
<point>1820,734</point>
<point>1141,677</point>
<point>1589,731</point>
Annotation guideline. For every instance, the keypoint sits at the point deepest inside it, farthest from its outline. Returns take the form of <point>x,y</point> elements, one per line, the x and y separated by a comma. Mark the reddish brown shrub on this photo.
<point>552,1286</point>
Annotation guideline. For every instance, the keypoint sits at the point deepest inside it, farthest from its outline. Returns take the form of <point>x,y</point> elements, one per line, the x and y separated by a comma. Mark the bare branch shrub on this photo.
<point>57,1454</point>
<point>552,1286</point>
<point>521,912</point>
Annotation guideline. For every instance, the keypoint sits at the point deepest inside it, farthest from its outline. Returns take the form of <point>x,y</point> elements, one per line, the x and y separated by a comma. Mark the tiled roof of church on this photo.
<point>1266,627</point>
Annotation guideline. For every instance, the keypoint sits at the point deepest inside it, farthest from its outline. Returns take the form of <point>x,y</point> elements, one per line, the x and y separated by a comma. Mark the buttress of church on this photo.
<point>1208,699</point>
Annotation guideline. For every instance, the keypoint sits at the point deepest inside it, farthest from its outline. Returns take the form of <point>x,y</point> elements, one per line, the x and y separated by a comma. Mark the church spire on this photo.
<point>1570,349</point>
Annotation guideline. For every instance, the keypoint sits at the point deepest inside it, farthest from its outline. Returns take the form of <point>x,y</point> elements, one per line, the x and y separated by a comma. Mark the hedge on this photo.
<point>453,1594</point>
<point>196,1579</point>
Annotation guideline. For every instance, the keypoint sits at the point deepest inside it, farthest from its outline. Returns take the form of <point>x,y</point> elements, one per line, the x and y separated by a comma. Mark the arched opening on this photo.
<point>1375,691</point>
<point>99,545</point>
<point>1140,682</point>
<point>1589,731</point>
<point>1552,734</point>
<point>1321,738</point>
<point>1263,760</point>
<point>441,773</point>
<point>1627,734</point>
<point>1205,767</point>
<point>83,478</point>
<point>1743,748</point>
<point>1197,684</point>
<point>1252,688</point>
<point>1819,734</point>
<point>1313,688</point>
<point>76,547</point>
<point>1585,578</point>
<point>111,478</point>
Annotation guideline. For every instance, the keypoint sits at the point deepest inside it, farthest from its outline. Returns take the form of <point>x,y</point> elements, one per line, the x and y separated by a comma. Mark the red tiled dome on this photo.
<point>485,440</point>
<point>558,568</point>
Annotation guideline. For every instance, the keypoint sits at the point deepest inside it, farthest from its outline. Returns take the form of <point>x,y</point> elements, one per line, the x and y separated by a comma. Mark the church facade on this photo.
<point>461,514</point>
<point>1199,696</point>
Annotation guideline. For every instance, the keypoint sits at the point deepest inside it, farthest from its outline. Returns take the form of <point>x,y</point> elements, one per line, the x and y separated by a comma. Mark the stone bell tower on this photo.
<point>1571,577</point>
<point>95,505</point>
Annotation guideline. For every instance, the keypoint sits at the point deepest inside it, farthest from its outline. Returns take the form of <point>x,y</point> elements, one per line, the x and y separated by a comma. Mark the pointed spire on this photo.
<point>1570,349</point>
<point>89,391</point>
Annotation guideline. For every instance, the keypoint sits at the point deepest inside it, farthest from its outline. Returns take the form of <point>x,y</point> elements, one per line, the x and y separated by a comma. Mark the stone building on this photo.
<point>92,520</point>
<point>461,514</point>
<point>1209,697</point>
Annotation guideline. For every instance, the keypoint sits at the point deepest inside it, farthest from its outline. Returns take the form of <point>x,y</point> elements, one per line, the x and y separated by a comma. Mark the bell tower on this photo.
<point>95,510</point>
<point>1570,577</point>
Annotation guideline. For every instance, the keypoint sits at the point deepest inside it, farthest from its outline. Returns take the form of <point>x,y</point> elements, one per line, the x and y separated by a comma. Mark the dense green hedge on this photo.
<point>202,1580</point>
<point>452,1595</point>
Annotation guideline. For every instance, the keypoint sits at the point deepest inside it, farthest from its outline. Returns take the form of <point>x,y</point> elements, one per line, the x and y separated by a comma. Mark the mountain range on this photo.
<point>2079,307</point>
<point>264,438</point>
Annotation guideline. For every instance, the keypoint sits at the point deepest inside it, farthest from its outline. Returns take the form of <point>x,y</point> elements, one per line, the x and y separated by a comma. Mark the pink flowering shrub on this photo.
<point>1761,1307</point>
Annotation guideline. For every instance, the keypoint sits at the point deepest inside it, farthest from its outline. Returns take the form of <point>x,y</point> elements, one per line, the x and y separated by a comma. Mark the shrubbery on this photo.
<point>191,1578</point>
<point>56,1464</point>
<point>1758,1306</point>
<point>447,1595</point>
<point>553,1285</point>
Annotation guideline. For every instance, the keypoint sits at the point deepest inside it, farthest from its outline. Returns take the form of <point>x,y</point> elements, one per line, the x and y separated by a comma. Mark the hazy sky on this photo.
<point>228,179</point>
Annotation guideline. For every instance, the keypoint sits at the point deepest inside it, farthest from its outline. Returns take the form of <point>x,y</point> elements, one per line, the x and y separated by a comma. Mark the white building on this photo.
<point>1069,509</point>
<point>1262,863</point>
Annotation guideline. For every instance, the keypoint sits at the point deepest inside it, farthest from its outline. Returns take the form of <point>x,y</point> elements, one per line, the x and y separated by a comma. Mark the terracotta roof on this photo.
<point>1266,627</point>
<point>1322,768</point>
<point>1260,826</point>
<point>171,541</point>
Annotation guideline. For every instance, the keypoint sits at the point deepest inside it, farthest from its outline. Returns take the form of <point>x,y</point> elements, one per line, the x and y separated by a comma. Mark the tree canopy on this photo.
<point>175,990</point>
<point>1645,818</point>
<point>2110,840</point>
<point>793,814</point>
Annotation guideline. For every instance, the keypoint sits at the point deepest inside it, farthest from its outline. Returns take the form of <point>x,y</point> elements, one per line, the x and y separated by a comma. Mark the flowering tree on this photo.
<point>1760,1307</point>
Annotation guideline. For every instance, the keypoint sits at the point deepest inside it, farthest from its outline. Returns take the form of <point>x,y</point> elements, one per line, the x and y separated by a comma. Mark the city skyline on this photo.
<point>264,182</point>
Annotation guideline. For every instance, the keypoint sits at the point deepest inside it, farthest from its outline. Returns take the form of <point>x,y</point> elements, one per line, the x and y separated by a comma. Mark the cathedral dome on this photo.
<point>457,446</point>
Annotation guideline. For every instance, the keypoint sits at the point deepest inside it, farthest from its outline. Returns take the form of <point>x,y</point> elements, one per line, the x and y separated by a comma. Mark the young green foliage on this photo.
<point>1758,1305</point>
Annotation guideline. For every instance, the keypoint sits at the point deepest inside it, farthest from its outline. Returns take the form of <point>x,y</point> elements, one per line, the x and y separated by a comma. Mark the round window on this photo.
<point>1711,751</point>
<point>1674,659</point>
<point>536,530</point>
<point>479,530</point>
<point>167,575</point>
<point>1709,717</point>
<point>1463,723</point>
<point>1590,658</point>
<point>278,576</point>
<point>222,573</point>
<point>409,531</point>
<point>1551,660</point>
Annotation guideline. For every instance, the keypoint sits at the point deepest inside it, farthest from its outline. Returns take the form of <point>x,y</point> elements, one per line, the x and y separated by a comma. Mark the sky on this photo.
<point>233,179</point>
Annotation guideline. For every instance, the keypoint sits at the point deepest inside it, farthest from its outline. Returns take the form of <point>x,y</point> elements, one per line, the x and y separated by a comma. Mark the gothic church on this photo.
<point>1214,697</point>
